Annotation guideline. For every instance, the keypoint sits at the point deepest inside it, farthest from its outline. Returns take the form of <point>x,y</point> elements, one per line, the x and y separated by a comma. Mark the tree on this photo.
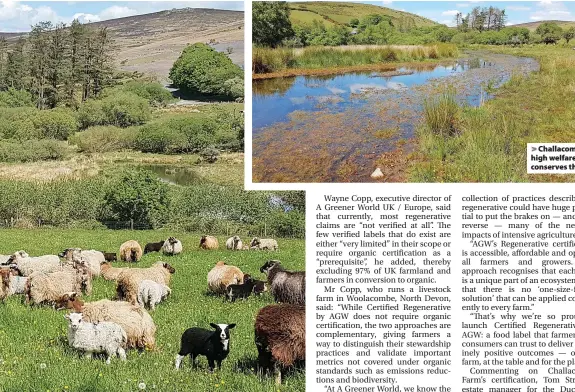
<point>550,32</point>
<point>354,22</point>
<point>270,23</point>
<point>201,69</point>
<point>569,34</point>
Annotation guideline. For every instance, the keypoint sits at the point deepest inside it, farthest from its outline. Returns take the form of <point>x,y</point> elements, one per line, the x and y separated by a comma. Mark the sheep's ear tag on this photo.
<point>67,316</point>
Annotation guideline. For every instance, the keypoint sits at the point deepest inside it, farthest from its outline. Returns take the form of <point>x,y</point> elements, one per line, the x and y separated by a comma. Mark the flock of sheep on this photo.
<point>112,326</point>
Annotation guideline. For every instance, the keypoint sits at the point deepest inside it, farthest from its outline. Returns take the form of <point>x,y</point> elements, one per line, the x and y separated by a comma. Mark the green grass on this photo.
<point>267,60</point>
<point>490,145</point>
<point>343,12</point>
<point>33,337</point>
<point>300,17</point>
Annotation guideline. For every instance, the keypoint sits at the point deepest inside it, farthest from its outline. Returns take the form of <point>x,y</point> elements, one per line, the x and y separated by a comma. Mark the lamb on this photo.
<point>285,286</point>
<point>130,251</point>
<point>135,320</point>
<point>130,279</point>
<point>264,244</point>
<point>92,258</point>
<point>109,256</point>
<point>260,287</point>
<point>151,293</point>
<point>234,243</point>
<point>26,265</point>
<point>222,275</point>
<point>48,288</point>
<point>172,246</point>
<point>280,337</point>
<point>209,242</point>
<point>153,247</point>
<point>110,273</point>
<point>215,345</point>
<point>101,337</point>
<point>243,290</point>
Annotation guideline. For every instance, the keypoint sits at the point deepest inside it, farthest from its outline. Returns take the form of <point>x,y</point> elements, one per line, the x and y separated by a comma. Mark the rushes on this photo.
<point>266,60</point>
<point>441,113</point>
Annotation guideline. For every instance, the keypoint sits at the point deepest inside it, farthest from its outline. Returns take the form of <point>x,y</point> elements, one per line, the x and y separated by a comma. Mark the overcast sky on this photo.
<point>517,11</point>
<point>17,16</point>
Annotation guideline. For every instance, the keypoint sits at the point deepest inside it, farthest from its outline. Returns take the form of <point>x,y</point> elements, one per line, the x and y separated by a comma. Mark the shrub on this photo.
<point>121,109</point>
<point>55,124</point>
<point>32,150</point>
<point>139,196</point>
<point>105,139</point>
<point>234,87</point>
<point>91,113</point>
<point>16,123</point>
<point>176,135</point>
<point>202,70</point>
<point>153,92</point>
<point>125,109</point>
<point>13,98</point>
<point>210,154</point>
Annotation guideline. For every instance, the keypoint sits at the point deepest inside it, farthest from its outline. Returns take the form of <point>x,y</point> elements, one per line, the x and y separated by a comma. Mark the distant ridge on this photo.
<point>532,26</point>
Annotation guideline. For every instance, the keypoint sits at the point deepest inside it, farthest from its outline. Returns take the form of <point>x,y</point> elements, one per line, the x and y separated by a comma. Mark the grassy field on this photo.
<point>342,13</point>
<point>488,143</point>
<point>34,353</point>
<point>532,26</point>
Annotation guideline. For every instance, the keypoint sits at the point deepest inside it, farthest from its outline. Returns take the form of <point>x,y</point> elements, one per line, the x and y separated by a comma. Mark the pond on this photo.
<point>174,174</point>
<point>334,128</point>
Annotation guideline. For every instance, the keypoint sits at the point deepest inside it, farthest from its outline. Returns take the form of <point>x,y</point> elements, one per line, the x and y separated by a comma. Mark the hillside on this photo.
<point>150,43</point>
<point>532,26</point>
<point>342,13</point>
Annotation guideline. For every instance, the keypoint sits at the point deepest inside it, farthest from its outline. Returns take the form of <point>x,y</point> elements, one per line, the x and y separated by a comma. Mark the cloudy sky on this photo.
<point>517,11</point>
<point>17,16</point>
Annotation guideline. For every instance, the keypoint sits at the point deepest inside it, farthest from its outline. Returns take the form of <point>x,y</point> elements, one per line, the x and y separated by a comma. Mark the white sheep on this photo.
<point>264,244</point>
<point>234,243</point>
<point>151,293</point>
<point>222,275</point>
<point>102,337</point>
<point>49,288</point>
<point>27,265</point>
<point>17,285</point>
<point>172,246</point>
<point>92,258</point>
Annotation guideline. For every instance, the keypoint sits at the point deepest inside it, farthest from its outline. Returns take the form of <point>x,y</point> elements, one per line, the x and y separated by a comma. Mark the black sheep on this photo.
<point>153,247</point>
<point>215,345</point>
<point>243,290</point>
<point>109,256</point>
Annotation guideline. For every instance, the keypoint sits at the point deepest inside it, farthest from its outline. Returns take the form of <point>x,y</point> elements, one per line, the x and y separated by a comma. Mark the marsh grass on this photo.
<point>267,60</point>
<point>34,354</point>
<point>491,143</point>
<point>441,113</point>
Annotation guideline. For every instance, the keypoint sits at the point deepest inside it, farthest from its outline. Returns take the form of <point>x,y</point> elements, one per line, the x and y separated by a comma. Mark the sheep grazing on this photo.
<point>110,273</point>
<point>130,251</point>
<point>172,246</point>
<point>222,275</point>
<point>209,242</point>
<point>110,256</point>
<point>26,265</point>
<point>135,320</point>
<point>153,247</point>
<point>48,288</point>
<point>215,345</point>
<point>130,279</point>
<point>264,244</point>
<point>285,286</point>
<point>4,283</point>
<point>92,258</point>
<point>280,337</point>
<point>151,293</point>
<point>245,289</point>
<point>234,243</point>
<point>101,337</point>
